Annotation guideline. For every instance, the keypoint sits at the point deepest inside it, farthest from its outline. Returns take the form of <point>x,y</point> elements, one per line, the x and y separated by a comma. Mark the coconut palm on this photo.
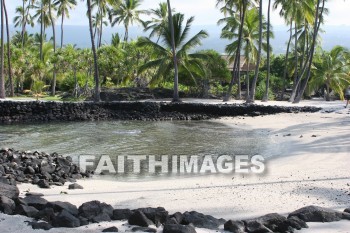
<point>53,86</point>
<point>93,48</point>
<point>159,19</point>
<point>127,13</point>
<point>2,77</point>
<point>332,70</point>
<point>170,55</point>
<point>63,7</point>
<point>266,96</point>
<point>96,23</point>
<point>8,51</point>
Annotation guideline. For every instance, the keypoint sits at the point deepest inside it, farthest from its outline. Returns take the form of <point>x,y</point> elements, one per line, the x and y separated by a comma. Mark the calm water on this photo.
<point>135,138</point>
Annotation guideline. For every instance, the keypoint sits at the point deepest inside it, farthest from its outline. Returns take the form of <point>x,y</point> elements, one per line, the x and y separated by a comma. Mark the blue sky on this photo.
<point>204,11</point>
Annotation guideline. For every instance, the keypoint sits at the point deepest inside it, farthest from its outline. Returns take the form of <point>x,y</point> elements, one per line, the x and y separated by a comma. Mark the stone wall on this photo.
<point>21,112</point>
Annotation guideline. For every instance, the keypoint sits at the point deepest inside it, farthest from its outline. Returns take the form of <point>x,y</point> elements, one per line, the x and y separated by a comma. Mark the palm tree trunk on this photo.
<point>2,77</point>
<point>53,87</point>
<point>126,35</point>
<point>286,63</point>
<point>317,24</point>
<point>266,96</point>
<point>100,35</point>
<point>62,20</point>
<point>297,78</point>
<point>236,63</point>
<point>41,32</point>
<point>23,20</point>
<point>9,52</point>
<point>96,76</point>
<point>251,98</point>
<point>173,47</point>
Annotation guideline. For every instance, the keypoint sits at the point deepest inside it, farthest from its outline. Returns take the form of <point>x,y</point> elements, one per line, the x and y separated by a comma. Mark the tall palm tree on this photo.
<point>266,96</point>
<point>96,23</point>
<point>8,51</point>
<point>23,17</point>
<point>231,7</point>
<point>63,7</point>
<point>251,97</point>
<point>173,54</point>
<point>2,77</point>
<point>159,19</point>
<point>126,13</point>
<point>93,48</point>
<point>332,70</point>
<point>53,86</point>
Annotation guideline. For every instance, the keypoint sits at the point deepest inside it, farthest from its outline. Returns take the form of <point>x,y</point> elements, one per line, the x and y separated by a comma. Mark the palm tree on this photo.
<point>2,77</point>
<point>126,13</point>
<point>96,23</point>
<point>63,7</point>
<point>23,18</point>
<point>53,86</point>
<point>93,48</point>
<point>332,70</point>
<point>266,96</point>
<point>234,23</point>
<point>8,51</point>
<point>159,19</point>
<point>173,53</point>
<point>251,97</point>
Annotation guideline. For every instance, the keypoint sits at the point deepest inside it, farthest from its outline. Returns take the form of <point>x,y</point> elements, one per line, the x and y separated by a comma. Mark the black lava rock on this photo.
<point>177,228</point>
<point>234,226</point>
<point>138,218</point>
<point>317,214</point>
<point>111,229</point>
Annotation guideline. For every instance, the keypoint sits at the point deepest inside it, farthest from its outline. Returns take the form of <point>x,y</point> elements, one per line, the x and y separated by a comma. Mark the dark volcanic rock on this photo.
<point>121,214</point>
<point>156,215</point>
<point>34,194</point>
<point>59,206</point>
<point>297,223</point>
<point>40,225</point>
<point>44,184</point>
<point>201,220</point>
<point>65,219</point>
<point>75,186</point>
<point>28,211</point>
<point>347,210</point>
<point>9,191</point>
<point>7,205</point>
<point>36,201</point>
<point>317,214</point>
<point>46,214</point>
<point>276,223</point>
<point>138,218</point>
<point>93,209</point>
<point>253,226</point>
<point>234,226</point>
<point>111,229</point>
<point>177,228</point>
<point>143,229</point>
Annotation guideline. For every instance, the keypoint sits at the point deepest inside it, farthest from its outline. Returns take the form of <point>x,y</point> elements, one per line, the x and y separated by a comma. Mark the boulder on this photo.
<point>276,223</point>
<point>121,214</point>
<point>138,218</point>
<point>111,229</point>
<point>317,214</point>
<point>28,211</point>
<point>47,214</point>
<point>234,226</point>
<point>253,226</point>
<point>59,206</point>
<point>65,219</point>
<point>202,221</point>
<point>36,201</point>
<point>92,209</point>
<point>8,190</point>
<point>75,186</point>
<point>297,223</point>
<point>143,229</point>
<point>7,205</point>
<point>34,194</point>
<point>347,210</point>
<point>157,215</point>
<point>44,184</point>
<point>102,217</point>
<point>177,228</point>
<point>40,225</point>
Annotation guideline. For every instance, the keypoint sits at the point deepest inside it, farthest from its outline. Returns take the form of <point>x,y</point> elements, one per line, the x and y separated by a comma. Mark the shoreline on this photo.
<point>302,171</point>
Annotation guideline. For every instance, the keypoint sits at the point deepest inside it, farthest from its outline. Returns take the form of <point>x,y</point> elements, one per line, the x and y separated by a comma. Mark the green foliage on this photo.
<point>260,91</point>
<point>68,83</point>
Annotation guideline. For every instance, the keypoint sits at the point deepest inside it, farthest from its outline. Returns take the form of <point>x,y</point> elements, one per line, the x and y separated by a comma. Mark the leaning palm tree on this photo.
<point>159,19</point>
<point>63,7</point>
<point>331,69</point>
<point>172,54</point>
<point>8,51</point>
<point>127,13</point>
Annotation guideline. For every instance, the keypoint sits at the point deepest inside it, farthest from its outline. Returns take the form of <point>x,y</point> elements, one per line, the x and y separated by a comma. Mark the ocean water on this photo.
<point>79,36</point>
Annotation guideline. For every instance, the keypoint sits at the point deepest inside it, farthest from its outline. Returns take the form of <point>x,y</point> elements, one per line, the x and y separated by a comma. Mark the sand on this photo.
<point>308,164</point>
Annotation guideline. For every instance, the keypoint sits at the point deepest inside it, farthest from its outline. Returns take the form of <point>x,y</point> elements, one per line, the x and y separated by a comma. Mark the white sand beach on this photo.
<point>308,164</point>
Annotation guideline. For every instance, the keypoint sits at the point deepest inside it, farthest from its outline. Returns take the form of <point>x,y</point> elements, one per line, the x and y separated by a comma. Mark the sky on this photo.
<point>205,11</point>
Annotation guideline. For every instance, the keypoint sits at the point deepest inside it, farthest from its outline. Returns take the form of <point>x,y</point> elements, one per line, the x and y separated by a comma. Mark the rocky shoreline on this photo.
<point>44,170</point>
<point>27,112</point>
